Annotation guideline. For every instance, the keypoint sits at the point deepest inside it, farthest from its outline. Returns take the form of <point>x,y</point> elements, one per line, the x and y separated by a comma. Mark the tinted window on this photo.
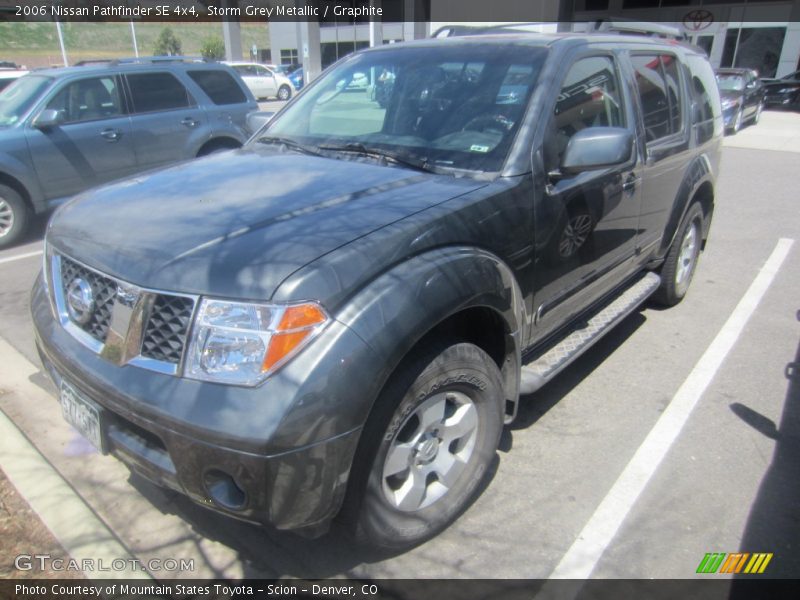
<point>658,84</point>
<point>705,97</point>
<point>219,86</point>
<point>672,75</point>
<point>589,97</point>
<point>157,91</point>
<point>87,100</point>
<point>4,83</point>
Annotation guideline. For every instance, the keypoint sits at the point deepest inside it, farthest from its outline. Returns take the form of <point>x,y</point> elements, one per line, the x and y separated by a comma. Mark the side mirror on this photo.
<point>595,148</point>
<point>49,117</point>
<point>257,119</point>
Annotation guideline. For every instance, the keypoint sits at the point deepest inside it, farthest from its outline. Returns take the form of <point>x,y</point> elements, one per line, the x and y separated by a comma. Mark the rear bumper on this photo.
<point>289,478</point>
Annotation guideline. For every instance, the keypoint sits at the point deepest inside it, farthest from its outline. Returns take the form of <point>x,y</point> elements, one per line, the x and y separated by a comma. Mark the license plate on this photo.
<point>82,414</point>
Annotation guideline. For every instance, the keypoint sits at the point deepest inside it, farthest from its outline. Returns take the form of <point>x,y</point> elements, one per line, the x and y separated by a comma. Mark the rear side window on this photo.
<point>157,91</point>
<point>705,97</point>
<point>659,85</point>
<point>219,86</point>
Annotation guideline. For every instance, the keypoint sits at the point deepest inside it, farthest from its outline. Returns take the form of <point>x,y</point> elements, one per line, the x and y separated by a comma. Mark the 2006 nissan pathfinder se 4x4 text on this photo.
<point>338,318</point>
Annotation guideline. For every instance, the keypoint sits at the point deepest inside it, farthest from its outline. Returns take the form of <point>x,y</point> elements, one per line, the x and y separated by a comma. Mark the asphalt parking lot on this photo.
<point>727,483</point>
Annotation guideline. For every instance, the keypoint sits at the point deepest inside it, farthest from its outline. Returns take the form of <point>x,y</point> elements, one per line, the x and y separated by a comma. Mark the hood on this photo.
<point>236,224</point>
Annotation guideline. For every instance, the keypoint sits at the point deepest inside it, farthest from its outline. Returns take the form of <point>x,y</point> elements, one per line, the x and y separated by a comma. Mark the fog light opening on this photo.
<point>224,490</point>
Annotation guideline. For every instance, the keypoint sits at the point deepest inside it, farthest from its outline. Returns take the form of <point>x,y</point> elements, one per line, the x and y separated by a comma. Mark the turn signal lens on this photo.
<point>301,316</point>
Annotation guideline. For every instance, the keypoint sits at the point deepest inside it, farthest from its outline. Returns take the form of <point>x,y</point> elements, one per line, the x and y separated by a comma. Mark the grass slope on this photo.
<point>36,44</point>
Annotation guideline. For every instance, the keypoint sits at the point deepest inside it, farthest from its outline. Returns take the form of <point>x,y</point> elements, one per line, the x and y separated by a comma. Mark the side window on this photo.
<point>88,100</point>
<point>673,79</point>
<point>262,72</point>
<point>157,91</point>
<point>705,96</point>
<point>219,86</point>
<point>658,83</point>
<point>589,97</point>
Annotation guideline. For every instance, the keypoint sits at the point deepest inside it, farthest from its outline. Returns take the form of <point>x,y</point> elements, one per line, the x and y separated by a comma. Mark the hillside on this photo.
<point>36,44</point>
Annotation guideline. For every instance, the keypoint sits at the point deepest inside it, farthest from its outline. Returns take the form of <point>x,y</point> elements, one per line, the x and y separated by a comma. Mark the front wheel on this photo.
<point>681,262</point>
<point>434,448</point>
<point>757,117</point>
<point>14,216</point>
<point>284,93</point>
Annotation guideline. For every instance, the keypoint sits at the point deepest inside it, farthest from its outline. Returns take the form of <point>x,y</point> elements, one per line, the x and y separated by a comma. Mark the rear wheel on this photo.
<point>14,216</point>
<point>681,262</point>
<point>284,93</point>
<point>423,459</point>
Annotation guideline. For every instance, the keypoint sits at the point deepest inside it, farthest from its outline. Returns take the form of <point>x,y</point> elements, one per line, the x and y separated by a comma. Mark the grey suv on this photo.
<point>339,317</point>
<point>65,130</point>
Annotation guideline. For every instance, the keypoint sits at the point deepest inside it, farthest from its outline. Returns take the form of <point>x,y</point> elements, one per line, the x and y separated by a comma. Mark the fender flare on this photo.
<point>399,307</point>
<point>698,173</point>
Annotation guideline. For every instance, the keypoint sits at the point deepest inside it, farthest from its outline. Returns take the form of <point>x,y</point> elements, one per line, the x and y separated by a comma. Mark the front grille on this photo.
<point>165,335</point>
<point>163,332</point>
<point>104,290</point>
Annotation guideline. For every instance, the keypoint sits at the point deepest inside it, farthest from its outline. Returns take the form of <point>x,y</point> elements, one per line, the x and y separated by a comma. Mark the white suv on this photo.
<point>9,75</point>
<point>263,82</point>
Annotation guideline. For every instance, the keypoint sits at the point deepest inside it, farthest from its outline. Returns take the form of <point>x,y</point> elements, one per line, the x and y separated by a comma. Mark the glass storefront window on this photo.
<point>756,48</point>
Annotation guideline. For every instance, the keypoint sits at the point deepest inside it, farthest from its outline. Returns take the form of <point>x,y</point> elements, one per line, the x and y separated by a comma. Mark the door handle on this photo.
<point>112,135</point>
<point>630,183</point>
<point>189,122</point>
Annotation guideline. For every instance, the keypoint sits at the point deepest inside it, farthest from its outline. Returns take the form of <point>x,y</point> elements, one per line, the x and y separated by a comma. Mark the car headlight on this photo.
<point>730,103</point>
<point>242,343</point>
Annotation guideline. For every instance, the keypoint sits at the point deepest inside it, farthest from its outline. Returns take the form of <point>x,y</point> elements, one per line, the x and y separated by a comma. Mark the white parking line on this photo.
<point>79,530</point>
<point>584,554</point>
<point>9,259</point>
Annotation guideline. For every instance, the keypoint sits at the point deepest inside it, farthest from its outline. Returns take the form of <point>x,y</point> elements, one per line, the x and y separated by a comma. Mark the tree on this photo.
<point>213,48</point>
<point>167,43</point>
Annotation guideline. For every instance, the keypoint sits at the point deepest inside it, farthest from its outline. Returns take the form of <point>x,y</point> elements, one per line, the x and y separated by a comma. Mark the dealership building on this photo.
<point>764,35</point>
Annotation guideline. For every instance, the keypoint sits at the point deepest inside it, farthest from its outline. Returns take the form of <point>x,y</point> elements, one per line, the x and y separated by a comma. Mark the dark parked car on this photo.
<point>742,97</point>
<point>783,92</point>
<point>65,130</point>
<point>339,318</point>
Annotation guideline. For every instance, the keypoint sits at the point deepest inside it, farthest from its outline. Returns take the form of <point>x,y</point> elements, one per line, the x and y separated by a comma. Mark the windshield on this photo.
<point>449,107</point>
<point>18,97</point>
<point>730,83</point>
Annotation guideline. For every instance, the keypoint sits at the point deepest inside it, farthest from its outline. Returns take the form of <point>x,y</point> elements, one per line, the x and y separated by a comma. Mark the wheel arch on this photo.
<point>697,186</point>
<point>464,294</point>
<point>217,143</point>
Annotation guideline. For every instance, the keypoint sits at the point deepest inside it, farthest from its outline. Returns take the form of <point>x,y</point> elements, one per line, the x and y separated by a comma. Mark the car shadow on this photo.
<point>773,525</point>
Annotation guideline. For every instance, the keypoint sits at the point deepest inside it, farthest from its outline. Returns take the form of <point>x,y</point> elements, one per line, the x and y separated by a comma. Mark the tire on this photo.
<point>737,122</point>
<point>284,93</point>
<point>681,262</point>
<point>757,116</point>
<point>445,405</point>
<point>15,216</point>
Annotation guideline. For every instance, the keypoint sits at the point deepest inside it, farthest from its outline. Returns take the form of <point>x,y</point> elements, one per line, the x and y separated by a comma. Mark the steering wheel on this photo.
<point>497,122</point>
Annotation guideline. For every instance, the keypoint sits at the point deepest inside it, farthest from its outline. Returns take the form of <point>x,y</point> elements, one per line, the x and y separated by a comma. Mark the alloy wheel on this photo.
<point>430,451</point>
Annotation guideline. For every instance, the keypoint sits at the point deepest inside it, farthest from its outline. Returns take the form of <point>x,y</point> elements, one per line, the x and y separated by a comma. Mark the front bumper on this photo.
<point>277,454</point>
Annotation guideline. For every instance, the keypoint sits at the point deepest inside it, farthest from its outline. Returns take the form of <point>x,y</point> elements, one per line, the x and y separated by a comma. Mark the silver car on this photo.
<point>63,131</point>
<point>264,82</point>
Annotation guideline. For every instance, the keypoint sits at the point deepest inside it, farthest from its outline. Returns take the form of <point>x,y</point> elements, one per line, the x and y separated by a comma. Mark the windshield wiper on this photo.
<point>289,143</point>
<point>420,164</point>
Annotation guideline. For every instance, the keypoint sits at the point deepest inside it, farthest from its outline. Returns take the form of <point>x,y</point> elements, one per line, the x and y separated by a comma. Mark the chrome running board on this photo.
<point>585,333</point>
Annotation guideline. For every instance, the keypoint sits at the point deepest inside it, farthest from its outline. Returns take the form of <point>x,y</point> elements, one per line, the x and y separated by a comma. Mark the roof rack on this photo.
<point>142,60</point>
<point>625,26</point>
<point>459,30</point>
